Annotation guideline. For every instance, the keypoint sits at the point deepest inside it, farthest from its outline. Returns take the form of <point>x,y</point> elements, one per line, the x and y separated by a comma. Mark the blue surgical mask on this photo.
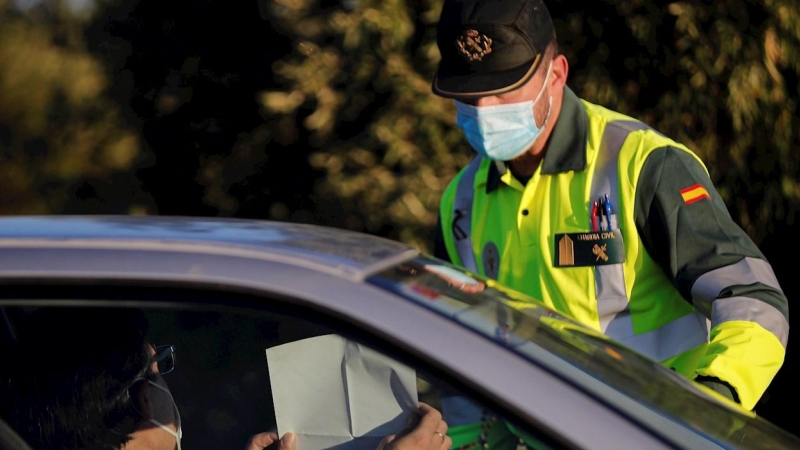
<point>502,132</point>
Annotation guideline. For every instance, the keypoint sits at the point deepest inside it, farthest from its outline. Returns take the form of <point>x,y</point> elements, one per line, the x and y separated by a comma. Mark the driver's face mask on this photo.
<point>177,434</point>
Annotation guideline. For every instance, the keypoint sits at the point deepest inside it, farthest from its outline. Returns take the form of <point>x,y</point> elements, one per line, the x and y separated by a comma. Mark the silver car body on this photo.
<point>332,272</point>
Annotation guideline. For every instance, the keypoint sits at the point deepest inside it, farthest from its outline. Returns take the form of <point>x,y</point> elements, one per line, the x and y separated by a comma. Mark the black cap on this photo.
<point>489,47</point>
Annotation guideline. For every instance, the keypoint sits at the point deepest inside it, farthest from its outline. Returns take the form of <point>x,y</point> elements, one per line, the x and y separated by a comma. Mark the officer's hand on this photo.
<point>264,440</point>
<point>427,432</point>
<point>718,386</point>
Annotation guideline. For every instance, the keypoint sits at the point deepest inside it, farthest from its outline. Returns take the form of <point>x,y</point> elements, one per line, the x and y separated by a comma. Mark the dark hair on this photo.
<point>71,376</point>
<point>551,51</point>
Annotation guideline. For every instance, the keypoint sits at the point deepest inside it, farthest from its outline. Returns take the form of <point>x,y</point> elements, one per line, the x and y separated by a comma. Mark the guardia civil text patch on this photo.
<point>589,249</point>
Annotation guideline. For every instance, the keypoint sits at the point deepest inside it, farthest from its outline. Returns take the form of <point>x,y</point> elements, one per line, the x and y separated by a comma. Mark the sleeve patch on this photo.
<point>694,193</point>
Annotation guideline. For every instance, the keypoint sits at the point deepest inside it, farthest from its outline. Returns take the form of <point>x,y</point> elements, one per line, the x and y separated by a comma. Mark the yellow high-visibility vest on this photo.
<point>533,238</point>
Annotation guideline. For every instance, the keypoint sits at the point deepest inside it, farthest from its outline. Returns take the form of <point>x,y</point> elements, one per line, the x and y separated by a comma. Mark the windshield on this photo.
<point>528,327</point>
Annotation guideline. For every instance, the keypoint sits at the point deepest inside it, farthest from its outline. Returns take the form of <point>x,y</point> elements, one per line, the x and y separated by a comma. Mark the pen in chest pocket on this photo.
<point>609,211</point>
<point>601,214</point>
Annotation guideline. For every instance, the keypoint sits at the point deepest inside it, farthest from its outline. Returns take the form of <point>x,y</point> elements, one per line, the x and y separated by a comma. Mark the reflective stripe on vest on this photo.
<point>707,289</point>
<point>612,297</point>
<point>613,311</point>
<point>462,215</point>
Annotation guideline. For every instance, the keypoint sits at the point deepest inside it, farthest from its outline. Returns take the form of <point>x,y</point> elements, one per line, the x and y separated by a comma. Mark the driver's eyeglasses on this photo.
<point>164,359</point>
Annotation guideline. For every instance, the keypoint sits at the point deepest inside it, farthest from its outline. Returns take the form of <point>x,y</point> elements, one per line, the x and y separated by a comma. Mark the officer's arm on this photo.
<point>685,226</point>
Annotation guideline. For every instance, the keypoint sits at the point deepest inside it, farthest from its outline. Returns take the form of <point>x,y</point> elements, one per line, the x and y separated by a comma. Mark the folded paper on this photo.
<point>337,394</point>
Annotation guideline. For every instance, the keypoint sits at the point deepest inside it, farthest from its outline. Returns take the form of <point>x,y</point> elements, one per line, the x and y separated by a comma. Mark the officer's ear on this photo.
<point>560,72</point>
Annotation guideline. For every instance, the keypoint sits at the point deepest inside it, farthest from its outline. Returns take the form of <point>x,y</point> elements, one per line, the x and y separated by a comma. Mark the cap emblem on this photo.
<point>473,45</point>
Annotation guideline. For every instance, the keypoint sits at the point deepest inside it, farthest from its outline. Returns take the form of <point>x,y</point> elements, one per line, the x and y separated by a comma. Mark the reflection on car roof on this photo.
<point>336,248</point>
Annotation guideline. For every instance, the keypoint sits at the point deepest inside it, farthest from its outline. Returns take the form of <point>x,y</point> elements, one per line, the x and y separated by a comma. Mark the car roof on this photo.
<point>343,253</point>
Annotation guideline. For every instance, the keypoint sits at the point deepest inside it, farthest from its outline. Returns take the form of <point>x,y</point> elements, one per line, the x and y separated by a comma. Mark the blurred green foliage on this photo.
<point>386,145</point>
<point>343,117</point>
<point>57,127</point>
<point>721,77</point>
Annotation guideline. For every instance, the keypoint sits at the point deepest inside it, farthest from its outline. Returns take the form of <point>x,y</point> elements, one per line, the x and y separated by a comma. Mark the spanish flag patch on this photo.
<point>694,193</point>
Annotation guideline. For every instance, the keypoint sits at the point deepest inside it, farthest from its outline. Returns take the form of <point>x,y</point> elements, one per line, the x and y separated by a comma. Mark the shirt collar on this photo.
<point>566,150</point>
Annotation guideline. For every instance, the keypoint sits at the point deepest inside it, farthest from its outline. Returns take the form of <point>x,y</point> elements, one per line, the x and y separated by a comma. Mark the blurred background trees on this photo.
<point>58,126</point>
<point>320,110</point>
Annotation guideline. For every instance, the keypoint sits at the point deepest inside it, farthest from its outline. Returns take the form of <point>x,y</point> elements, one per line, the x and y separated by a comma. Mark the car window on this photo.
<point>527,327</point>
<point>221,379</point>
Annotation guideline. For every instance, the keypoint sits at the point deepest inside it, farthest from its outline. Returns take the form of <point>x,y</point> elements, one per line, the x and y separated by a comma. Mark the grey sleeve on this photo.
<point>701,249</point>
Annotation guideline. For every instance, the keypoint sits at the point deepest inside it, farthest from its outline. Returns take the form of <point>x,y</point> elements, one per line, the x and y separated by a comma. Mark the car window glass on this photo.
<point>527,327</point>
<point>221,380</point>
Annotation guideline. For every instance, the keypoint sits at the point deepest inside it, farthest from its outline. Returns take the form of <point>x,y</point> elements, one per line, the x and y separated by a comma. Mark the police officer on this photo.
<point>594,212</point>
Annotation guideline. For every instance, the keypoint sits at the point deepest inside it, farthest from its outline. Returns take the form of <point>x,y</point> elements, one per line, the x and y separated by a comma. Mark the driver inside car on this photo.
<point>89,378</point>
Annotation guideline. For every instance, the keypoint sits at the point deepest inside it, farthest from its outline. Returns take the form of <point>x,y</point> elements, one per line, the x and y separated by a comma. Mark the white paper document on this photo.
<point>335,393</point>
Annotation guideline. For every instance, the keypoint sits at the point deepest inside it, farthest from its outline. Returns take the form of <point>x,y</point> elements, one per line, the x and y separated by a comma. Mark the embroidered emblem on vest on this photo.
<point>600,252</point>
<point>566,252</point>
<point>589,249</point>
<point>491,260</point>
<point>694,193</point>
<point>473,45</point>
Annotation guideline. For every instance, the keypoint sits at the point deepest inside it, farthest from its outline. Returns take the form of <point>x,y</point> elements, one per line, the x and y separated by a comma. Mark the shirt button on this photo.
<point>524,212</point>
